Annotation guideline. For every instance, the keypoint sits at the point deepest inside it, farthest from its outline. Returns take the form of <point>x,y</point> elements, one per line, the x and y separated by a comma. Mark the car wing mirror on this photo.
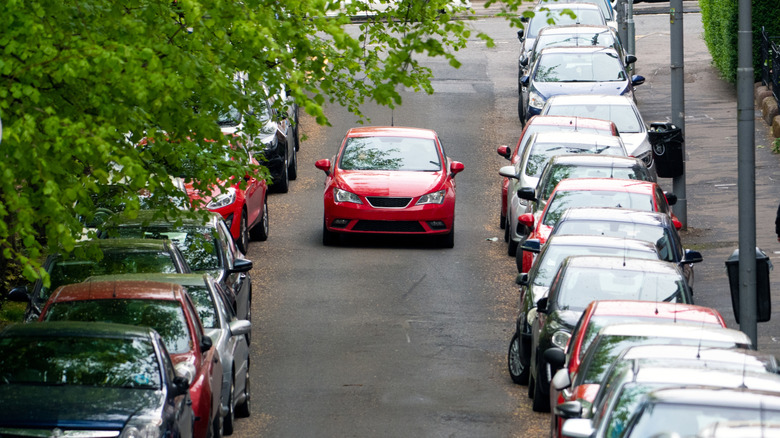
<point>527,193</point>
<point>526,219</point>
<point>561,380</point>
<point>541,305</point>
<point>504,151</point>
<point>532,245</point>
<point>323,165</point>
<point>206,343</point>
<point>521,32</point>
<point>630,59</point>
<point>637,80</point>
<point>242,265</point>
<point>692,256</point>
<point>671,198</point>
<point>180,385</point>
<point>240,327</point>
<point>19,294</point>
<point>570,409</point>
<point>525,80</point>
<point>522,279</point>
<point>556,358</point>
<point>508,172</point>
<point>524,61</point>
<point>456,167</point>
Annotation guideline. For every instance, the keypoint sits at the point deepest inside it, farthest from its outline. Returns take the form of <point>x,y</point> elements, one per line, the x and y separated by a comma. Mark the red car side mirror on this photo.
<point>504,151</point>
<point>456,167</point>
<point>526,219</point>
<point>323,165</point>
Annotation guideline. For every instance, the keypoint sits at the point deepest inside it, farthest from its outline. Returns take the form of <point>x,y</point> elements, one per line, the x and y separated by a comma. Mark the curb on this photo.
<point>765,101</point>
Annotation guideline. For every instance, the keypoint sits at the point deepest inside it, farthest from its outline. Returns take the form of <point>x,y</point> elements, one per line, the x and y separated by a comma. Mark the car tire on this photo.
<point>518,369</point>
<point>541,397</point>
<point>329,238</point>
<point>282,185</point>
<point>227,422</point>
<point>506,232</point>
<point>243,234</point>
<point>502,222</point>
<point>520,110</point>
<point>260,230</point>
<point>519,260</point>
<point>242,409</point>
<point>512,248</point>
<point>292,168</point>
<point>531,385</point>
<point>218,431</point>
<point>296,135</point>
<point>448,240</point>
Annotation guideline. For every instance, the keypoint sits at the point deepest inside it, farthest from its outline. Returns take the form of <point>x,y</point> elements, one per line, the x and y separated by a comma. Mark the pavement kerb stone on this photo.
<point>776,127</point>
<point>762,92</point>
<point>769,109</point>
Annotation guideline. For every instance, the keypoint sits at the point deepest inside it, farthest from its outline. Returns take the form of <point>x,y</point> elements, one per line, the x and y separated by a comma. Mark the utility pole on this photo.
<point>678,102</point>
<point>622,28</point>
<point>746,182</point>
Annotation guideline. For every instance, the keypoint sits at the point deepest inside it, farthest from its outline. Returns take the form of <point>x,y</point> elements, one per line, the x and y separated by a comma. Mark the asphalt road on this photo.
<point>394,337</point>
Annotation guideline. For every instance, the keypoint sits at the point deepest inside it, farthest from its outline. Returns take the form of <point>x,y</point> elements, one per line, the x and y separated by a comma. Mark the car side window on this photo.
<point>223,297</point>
<point>663,206</point>
<point>168,368</point>
<point>196,319</point>
<point>226,244</point>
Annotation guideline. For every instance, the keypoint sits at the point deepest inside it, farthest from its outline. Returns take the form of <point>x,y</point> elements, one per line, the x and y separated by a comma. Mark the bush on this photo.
<point>720,20</point>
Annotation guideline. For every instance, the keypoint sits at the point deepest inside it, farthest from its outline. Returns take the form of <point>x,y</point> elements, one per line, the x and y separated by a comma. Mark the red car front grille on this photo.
<point>388,202</point>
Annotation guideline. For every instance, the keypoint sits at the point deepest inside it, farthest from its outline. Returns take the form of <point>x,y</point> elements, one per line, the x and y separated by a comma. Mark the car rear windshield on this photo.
<point>649,233</point>
<point>579,286</point>
<point>564,200</point>
<point>551,259</point>
<point>624,117</point>
<point>64,272</point>
<point>77,360</point>
<point>574,15</point>
<point>198,245</point>
<point>541,152</point>
<point>390,153</point>
<point>165,316</point>
<point>602,66</point>
<point>560,172</point>
<point>602,37</point>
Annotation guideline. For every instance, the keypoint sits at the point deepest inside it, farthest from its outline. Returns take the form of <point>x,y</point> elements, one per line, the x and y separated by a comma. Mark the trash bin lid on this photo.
<point>734,257</point>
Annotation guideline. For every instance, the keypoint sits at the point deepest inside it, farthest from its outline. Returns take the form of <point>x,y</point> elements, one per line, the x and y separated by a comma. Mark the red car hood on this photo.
<point>389,183</point>
<point>202,195</point>
<point>188,356</point>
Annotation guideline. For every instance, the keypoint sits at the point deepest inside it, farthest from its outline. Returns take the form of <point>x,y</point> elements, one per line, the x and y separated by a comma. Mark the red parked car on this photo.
<point>390,180</point>
<point>592,192</point>
<point>245,210</point>
<point>601,313</point>
<point>544,124</point>
<point>169,310</point>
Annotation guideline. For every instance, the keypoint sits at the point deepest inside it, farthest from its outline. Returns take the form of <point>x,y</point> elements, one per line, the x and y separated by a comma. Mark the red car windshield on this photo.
<point>564,200</point>
<point>390,153</point>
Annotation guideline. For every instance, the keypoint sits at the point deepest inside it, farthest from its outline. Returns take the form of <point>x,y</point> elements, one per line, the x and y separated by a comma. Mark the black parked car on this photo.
<point>90,380</point>
<point>119,256</point>
<point>207,247</point>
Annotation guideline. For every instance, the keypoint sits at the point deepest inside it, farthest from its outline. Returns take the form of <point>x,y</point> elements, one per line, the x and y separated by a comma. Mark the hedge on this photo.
<point>720,19</point>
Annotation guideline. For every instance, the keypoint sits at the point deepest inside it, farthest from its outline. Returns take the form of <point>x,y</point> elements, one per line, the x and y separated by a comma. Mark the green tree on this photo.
<point>83,82</point>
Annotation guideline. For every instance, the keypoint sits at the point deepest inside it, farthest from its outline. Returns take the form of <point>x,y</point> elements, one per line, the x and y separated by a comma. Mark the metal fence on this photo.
<point>770,63</point>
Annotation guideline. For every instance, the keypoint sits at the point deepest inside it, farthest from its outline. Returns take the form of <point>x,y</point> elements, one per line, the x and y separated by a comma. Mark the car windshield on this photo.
<point>204,304</point>
<point>649,233</point>
<point>62,271</point>
<point>390,153</point>
<point>550,260</point>
<point>602,37</point>
<point>563,200</point>
<point>627,398</point>
<point>232,117</point>
<point>544,18</point>
<point>601,66</point>
<point>198,245</point>
<point>541,152</point>
<point>79,360</point>
<point>165,316</point>
<point>626,118</point>
<point>604,6</point>
<point>691,420</point>
<point>580,286</point>
<point>560,172</point>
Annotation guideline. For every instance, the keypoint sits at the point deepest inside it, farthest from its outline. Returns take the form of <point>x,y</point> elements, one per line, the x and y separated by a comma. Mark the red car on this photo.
<point>245,210</point>
<point>390,180</point>
<point>543,124</point>
<point>592,192</point>
<point>169,310</point>
<point>601,313</point>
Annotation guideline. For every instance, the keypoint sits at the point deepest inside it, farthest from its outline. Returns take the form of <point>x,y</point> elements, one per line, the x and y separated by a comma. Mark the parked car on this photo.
<point>591,192</point>
<point>169,310</point>
<point>390,180</point>
<point>207,247</point>
<point>545,15</point>
<point>525,173</point>
<point>620,109</point>
<point>655,367</point>
<point>658,228</point>
<point>579,281</point>
<point>543,124</point>
<point>535,284</point>
<point>576,70</point>
<point>90,379</point>
<point>119,256</point>
<point>245,210</point>
<point>575,35</point>
<point>612,339</point>
<point>701,410</point>
<point>601,313</point>
<point>604,6</point>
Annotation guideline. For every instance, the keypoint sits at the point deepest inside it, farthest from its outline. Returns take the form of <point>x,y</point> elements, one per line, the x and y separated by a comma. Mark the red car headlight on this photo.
<point>432,198</point>
<point>223,200</point>
<point>340,195</point>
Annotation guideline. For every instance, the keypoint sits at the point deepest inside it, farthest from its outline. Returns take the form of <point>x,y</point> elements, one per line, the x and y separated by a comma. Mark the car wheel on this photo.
<point>242,409</point>
<point>282,185</point>
<point>243,236</point>
<point>218,426</point>
<point>448,240</point>
<point>531,385</point>
<point>260,231</point>
<point>520,110</point>
<point>292,168</point>
<point>519,260</point>
<point>227,423</point>
<point>329,238</point>
<point>512,248</point>
<point>541,396</point>
<point>502,222</point>
<point>295,130</point>
<point>518,368</point>
<point>506,232</point>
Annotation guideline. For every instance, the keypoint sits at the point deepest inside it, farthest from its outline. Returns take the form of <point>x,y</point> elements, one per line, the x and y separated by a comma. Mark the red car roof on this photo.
<point>394,131</point>
<point>97,290</point>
